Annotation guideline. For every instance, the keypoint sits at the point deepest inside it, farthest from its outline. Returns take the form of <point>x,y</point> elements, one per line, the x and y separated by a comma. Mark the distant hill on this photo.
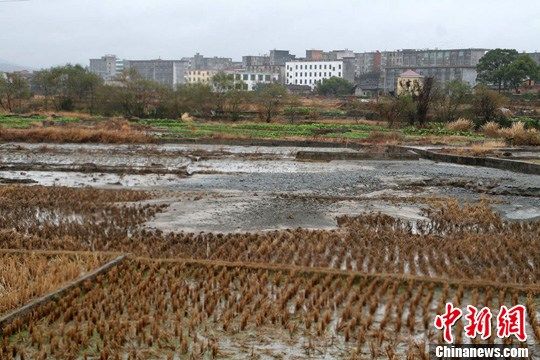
<point>6,66</point>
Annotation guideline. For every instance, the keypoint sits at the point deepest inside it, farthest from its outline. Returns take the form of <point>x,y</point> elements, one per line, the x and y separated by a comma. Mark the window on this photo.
<point>295,82</point>
<point>325,67</point>
<point>245,77</point>
<point>261,77</point>
<point>300,81</point>
<point>320,74</point>
<point>339,74</point>
<point>320,66</point>
<point>237,76</point>
<point>252,77</point>
<point>267,77</point>
<point>296,67</point>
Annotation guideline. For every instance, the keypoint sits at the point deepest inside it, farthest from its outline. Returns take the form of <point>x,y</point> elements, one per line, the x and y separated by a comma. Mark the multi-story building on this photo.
<point>199,62</point>
<point>312,73</point>
<point>320,55</point>
<point>443,65</point>
<point>273,63</point>
<point>255,60</point>
<point>280,57</point>
<point>367,63</point>
<point>166,72</point>
<point>107,67</point>
<point>200,76</point>
<point>248,80</point>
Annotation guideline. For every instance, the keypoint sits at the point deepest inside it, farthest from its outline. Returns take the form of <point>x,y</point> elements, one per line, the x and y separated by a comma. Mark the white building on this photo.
<point>312,72</point>
<point>249,79</point>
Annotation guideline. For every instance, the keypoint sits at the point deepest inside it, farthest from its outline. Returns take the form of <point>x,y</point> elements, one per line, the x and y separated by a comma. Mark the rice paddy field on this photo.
<point>253,254</point>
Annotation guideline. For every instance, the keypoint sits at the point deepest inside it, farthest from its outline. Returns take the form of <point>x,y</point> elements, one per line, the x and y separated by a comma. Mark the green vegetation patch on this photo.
<point>262,130</point>
<point>19,122</point>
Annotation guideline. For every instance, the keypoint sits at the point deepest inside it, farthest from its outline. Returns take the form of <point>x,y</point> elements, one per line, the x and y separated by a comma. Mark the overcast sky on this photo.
<point>41,33</point>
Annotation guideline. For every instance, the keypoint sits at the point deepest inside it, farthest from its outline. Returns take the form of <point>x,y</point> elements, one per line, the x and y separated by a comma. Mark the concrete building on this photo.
<point>255,60</point>
<point>107,67</point>
<point>367,62</point>
<point>273,63</point>
<point>248,80</point>
<point>443,65</point>
<point>166,72</point>
<point>313,72</point>
<point>200,76</point>
<point>333,55</point>
<point>280,57</point>
<point>199,62</point>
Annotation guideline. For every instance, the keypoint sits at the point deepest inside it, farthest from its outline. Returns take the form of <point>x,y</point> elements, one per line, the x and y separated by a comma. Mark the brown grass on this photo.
<point>460,124</point>
<point>491,129</point>
<point>478,149</point>
<point>111,132</point>
<point>25,276</point>
<point>518,135</point>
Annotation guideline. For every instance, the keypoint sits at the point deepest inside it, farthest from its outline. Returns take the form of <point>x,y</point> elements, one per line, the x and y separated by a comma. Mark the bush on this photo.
<point>486,104</point>
<point>460,124</point>
<point>518,135</point>
<point>491,129</point>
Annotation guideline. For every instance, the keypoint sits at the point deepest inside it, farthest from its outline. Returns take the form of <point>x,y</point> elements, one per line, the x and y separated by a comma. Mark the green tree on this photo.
<point>270,97</point>
<point>13,90</point>
<point>334,86</point>
<point>68,86</point>
<point>493,67</point>
<point>46,84</point>
<point>485,104</point>
<point>222,83</point>
<point>140,97</point>
<point>235,98</point>
<point>521,69</point>
<point>450,97</point>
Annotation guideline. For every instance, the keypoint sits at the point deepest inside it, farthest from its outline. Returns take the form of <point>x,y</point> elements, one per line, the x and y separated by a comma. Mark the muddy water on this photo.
<point>241,188</point>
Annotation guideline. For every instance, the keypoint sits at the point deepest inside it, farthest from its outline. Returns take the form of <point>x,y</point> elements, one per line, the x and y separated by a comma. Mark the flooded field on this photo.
<point>239,188</point>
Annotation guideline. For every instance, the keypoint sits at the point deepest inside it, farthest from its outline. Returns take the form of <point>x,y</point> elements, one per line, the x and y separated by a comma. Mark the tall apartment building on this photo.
<point>273,63</point>
<point>166,72</point>
<point>312,73</point>
<point>107,67</point>
<point>367,62</point>
<point>280,57</point>
<point>250,79</point>
<point>320,55</point>
<point>199,62</point>
<point>443,65</point>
